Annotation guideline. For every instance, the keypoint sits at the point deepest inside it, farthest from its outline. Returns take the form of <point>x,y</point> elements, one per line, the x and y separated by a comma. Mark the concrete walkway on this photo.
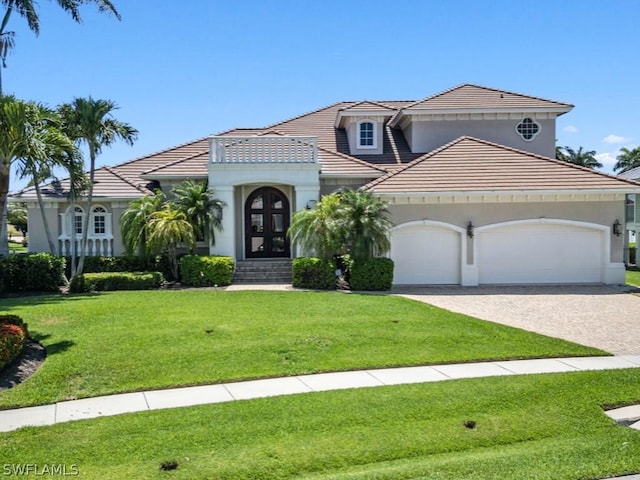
<point>228,392</point>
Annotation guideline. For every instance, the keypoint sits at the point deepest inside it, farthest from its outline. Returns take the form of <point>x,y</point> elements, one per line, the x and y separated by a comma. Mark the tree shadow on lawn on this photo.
<point>53,348</point>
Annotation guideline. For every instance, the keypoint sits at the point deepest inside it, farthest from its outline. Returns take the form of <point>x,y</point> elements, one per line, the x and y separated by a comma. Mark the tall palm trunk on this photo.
<point>4,190</point>
<point>45,222</point>
<point>87,217</point>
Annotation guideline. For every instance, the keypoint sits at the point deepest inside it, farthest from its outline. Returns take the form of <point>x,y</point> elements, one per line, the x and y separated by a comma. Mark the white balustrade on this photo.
<point>96,246</point>
<point>264,149</point>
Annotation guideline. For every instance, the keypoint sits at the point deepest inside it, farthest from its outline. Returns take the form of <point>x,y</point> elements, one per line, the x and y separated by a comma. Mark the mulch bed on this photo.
<point>23,366</point>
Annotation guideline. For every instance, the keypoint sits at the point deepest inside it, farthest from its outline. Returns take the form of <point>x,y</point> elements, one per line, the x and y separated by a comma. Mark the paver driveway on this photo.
<point>601,316</point>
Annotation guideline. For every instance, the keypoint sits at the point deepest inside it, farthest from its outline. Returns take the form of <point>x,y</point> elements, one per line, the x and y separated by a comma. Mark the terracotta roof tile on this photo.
<point>468,96</point>
<point>472,165</point>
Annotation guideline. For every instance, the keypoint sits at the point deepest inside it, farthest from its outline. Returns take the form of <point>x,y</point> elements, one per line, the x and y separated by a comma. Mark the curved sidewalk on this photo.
<point>227,392</point>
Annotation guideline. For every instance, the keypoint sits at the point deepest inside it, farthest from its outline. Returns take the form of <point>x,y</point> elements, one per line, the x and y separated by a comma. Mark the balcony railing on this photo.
<point>264,149</point>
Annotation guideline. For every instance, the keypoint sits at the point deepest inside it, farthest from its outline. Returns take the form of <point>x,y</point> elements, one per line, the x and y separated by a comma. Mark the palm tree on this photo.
<point>55,149</point>
<point>90,122</point>
<point>134,223</point>
<point>628,159</point>
<point>196,201</point>
<point>28,9</point>
<point>364,224</point>
<point>316,229</point>
<point>18,217</point>
<point>169,228</point>
<point>578,157</point>
<point>28,134</point>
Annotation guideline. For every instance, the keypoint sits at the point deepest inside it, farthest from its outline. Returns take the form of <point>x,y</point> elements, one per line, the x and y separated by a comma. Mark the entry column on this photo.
<point>225,239</point>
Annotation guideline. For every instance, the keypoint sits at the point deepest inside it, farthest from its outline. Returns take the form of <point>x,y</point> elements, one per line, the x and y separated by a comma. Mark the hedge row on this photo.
<point>31,272</point>
<point>212,271</point>
<point>13,336</point>
<point>315,273</point>
<point>109,281</point>
<point>374,274</point>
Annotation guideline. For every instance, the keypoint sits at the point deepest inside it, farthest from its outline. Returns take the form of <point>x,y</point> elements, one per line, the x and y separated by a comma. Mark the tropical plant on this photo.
<point>169,228</point>
<point>316,229</point>
<point>350,221</point>
<point>196,201</point>
<point>134,223</point>
<point>364,224</point>
<point>55,149</point>
<point>28,9</point>
<point>628,159</point>
<point>90,122</point>
<point>578,157</point>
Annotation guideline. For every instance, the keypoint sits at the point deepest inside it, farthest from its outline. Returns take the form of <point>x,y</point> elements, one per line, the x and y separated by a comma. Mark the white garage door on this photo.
<point>540,253</point>
<point>425,254</point>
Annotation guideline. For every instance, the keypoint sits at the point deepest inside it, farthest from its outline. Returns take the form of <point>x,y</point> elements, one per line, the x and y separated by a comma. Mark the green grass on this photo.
<point>633,277</point>
<point>528,428</point>
<point>16,247</point>
<point>128,341</point>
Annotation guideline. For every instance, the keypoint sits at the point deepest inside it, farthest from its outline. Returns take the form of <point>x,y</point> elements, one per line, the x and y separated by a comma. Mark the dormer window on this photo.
<point>367,134</point>
<point>528,128</point>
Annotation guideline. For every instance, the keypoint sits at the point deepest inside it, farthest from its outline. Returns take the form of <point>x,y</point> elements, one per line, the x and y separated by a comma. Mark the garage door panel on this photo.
<point>535,253</point>
<point>424,255</point>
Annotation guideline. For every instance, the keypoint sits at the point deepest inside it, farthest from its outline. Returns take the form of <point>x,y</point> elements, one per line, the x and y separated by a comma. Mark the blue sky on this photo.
<point>184,70</point>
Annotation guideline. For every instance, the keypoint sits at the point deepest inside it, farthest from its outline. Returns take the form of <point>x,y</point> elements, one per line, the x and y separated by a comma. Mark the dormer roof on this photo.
<point>365,108</point>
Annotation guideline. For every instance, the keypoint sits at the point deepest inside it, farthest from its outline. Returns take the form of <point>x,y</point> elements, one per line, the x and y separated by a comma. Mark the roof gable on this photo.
<point>469,96</point>
<point>472,165</point>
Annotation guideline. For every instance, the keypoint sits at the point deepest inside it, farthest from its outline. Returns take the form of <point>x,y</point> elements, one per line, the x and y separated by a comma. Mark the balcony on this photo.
<point>264,149</point>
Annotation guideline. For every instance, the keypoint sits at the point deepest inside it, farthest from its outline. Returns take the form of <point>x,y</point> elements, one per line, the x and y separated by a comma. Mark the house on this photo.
<point>475,194</point>
<point>632,214</point>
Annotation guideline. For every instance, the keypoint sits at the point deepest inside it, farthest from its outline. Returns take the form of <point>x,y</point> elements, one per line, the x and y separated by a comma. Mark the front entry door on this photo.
<point>266,215</point>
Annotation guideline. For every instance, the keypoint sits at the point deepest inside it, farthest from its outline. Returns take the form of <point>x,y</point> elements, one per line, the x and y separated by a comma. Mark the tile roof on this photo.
<point>471,165</point>
<point>367,105</point>
<point>633,174</point>
<point>468,96</point>
<point>109,183</point>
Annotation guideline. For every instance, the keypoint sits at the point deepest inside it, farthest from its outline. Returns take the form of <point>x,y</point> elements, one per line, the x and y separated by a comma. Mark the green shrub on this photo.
<point>632,255</point>
<point>197,271</point>
<point>315,273</point>
<point>374,274</point>
<point>35,272</point>
<point>115,264</point>
<point>12,340</point>
<point>4,275</point>
<point>109,281</point>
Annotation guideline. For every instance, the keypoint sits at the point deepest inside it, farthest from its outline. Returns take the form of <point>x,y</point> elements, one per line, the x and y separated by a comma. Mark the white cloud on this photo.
<point>608,160</point>
<point>614,139</point>
<point>570,129</point>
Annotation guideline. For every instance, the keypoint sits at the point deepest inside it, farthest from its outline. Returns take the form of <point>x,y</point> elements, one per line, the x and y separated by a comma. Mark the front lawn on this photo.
<point>633,277</point>
<point>128,341</point>
<point>531,427</point>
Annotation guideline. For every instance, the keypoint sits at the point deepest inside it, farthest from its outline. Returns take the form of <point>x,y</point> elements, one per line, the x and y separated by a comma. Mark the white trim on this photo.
<point>374,124</point>
<point>510,196</point>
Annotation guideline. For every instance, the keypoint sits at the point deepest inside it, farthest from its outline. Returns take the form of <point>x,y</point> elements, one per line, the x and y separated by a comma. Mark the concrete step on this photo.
<point>263,271</point>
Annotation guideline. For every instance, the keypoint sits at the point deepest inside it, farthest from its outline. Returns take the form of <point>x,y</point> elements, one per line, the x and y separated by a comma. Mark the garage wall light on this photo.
<point>617,231</point>
<point>470,230</point>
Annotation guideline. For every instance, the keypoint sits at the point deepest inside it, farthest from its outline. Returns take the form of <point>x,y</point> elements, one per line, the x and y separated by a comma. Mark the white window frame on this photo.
<point>533,121</point>
<point>100,211</point>
<point>374,126</point>
<point>75,216</point>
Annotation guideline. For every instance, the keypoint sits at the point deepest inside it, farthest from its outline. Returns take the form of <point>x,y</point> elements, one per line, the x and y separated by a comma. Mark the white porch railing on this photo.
<point>96,246</point>
<point>264,149</point>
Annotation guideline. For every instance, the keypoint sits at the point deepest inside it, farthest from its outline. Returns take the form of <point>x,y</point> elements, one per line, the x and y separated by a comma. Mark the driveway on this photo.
<point>601,316</point>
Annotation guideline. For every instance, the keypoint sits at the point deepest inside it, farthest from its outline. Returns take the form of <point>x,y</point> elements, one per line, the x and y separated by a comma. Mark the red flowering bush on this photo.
<point>12,340</point>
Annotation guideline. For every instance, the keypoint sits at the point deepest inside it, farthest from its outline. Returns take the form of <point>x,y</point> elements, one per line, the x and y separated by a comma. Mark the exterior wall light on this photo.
<point>617,231</point>
<point>470,230</point>
<point>311,204</point>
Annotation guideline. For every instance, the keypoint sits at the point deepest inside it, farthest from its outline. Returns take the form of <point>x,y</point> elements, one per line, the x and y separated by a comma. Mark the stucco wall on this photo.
<point>602,213</point>
<point>424,136</point>
<point>36,234</point>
